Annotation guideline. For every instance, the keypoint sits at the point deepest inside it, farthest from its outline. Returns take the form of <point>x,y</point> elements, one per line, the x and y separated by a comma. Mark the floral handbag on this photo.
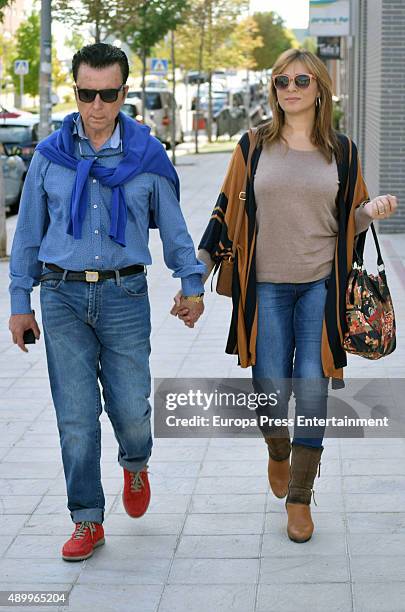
<point>369,310</point>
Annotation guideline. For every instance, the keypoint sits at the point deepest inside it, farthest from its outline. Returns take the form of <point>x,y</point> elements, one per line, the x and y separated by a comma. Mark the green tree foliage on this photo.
<point>144,23</point>
<point>276,39</point>
<point>96,13</point>
<point>27,47</point>
<point>228,41</point>
<point>4,4</point>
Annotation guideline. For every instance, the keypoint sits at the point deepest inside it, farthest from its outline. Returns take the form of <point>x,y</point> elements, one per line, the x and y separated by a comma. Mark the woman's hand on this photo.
<point>381,207</point>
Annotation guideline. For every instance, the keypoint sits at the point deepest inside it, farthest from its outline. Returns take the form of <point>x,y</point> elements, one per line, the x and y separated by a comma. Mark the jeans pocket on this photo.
<point>135,285</point>
<point>53,285</point>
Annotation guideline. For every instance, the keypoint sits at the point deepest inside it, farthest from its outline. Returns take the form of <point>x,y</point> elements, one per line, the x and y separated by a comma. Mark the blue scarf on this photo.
<point>142,153</point>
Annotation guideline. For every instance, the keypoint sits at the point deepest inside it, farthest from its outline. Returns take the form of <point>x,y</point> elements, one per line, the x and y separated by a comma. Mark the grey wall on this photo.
<point>376,100</point>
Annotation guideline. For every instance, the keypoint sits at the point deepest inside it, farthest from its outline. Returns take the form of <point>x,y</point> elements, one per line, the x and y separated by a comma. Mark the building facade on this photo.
<point>373,78</point>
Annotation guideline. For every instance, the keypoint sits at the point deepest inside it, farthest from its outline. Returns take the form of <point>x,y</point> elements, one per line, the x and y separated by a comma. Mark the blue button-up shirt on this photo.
<point>44,214</point>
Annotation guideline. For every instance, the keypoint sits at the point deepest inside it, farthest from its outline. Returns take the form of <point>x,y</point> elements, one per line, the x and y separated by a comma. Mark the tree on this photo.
<point>96,13</point>
<point>75,42</point>
<point>4,4</point>
<point>28,47</point>
<point>276,39</point>
<point>149,22</point>
<point>215,36</point>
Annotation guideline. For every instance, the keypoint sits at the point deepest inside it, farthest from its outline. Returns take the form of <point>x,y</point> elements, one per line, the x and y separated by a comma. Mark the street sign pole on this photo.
<point>45,104</point>
<point>22,90</point>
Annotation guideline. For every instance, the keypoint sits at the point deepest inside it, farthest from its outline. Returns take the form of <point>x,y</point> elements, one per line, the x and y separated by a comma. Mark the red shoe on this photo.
<point>136,494</point>
<point>85,538</point>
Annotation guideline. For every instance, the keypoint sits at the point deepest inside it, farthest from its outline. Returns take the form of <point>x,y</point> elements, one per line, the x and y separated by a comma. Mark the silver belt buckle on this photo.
<point>91,276</point>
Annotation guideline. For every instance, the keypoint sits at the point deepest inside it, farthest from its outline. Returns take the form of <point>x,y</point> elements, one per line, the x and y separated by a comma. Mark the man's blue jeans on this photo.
<point>290,317</point>
<point>98,332</point>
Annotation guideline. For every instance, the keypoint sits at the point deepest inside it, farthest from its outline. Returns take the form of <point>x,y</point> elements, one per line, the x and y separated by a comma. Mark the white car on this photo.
<point>158,113</point>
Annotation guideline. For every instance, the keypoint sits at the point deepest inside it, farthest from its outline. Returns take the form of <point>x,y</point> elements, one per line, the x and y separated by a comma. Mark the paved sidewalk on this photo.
<point>214,537</point>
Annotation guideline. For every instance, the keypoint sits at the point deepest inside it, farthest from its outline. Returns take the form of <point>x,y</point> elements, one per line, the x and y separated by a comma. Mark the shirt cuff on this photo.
<point>192,285</point>
<point>20,303</point>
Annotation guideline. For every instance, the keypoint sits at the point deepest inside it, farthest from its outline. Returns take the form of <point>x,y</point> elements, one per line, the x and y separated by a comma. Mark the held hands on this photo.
<point>20,323</point>
<point>381,207</point>
<point>188,311</point>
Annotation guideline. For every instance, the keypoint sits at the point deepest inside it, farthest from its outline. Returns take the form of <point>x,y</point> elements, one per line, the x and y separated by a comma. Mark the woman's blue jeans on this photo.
<point>98,332</point>
<point>288,352</point>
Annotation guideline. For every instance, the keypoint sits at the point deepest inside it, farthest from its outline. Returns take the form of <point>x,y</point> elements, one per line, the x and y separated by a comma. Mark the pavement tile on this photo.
<point>362,502</point>
<point>214,571</point>
<point>242,503</point>
<point>204,598</point>
<point>305,568</point>
<point>232,484</point>
<point>38,571</point>
<point>372,522</point>
<point>325,523</point>
<point>378,568</point>
<point>221,524</point>
<point>124,571</point>
<point>387,597</point>
<point>373,484</point>
<point>219,546</point>
<point>278,545</point>
<point>375,544</point>
<point>26,469</point>
<point>118,598</point>
<point>330,597</point>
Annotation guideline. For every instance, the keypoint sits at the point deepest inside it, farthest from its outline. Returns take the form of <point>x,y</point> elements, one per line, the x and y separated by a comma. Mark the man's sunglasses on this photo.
<point>107,95</point>
<point>301,81</point>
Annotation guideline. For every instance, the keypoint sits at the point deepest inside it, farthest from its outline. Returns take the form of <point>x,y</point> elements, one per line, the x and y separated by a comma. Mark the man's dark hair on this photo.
<point>100,55</point>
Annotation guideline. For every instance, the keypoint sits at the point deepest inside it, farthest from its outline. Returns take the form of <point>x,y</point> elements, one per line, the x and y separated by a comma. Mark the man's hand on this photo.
<point>187,310</point>
<point>20,323</point>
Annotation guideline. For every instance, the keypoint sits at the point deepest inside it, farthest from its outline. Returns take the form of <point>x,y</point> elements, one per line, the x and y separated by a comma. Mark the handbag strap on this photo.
<point>242,194</point>
<point>360,247</point>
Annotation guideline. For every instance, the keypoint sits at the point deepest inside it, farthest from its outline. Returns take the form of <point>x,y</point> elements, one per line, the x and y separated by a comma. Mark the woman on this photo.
<point>306,200</point>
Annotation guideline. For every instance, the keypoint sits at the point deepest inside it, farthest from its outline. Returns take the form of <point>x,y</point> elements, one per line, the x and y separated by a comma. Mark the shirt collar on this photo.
<point>113,142</point>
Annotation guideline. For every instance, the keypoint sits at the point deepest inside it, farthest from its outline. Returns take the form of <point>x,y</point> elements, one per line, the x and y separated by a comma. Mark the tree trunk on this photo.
<point>200,68</point>
<point>173,135</point>
<point>3,229</point>
<point>209,119</point>
<point>143,59</point>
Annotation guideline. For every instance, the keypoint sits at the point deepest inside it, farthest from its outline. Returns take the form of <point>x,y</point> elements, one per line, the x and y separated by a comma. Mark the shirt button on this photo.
<point>97,257</point>
<point>94,205</point>
<point>96,231</point>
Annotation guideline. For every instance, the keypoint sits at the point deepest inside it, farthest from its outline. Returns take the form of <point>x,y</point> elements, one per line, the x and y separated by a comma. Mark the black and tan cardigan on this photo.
<point>217,240</point>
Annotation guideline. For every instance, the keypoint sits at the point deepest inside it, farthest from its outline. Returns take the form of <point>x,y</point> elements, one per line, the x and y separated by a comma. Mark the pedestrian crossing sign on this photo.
<point>159,66</point>
<point>21,67</point>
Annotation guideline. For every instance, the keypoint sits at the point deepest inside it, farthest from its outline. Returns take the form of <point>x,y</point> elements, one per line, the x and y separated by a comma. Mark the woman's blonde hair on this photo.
<point>323,134</point>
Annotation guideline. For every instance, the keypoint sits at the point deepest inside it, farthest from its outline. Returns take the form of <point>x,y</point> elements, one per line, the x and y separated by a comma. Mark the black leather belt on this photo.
<point>90,276</point>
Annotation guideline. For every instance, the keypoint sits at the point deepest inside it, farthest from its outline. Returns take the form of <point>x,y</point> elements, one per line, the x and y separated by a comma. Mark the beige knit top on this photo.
<point>297,221</point>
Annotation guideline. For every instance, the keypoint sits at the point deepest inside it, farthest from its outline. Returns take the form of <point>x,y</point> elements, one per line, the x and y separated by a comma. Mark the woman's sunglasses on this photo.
<point>301,81</point>
<point>107,95</point>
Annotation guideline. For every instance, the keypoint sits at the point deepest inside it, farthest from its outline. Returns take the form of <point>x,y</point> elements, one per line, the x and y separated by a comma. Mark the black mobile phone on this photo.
<point>29,337</point>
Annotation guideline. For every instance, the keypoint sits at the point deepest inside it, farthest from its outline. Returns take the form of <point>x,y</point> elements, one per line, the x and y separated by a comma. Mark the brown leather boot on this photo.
<point>279,462</point>
<point>305,461</point>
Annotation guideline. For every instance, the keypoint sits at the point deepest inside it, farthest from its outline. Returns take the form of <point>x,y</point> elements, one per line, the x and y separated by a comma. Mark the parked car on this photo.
<point>22,132</point>
<point>158,113</point>
<point>18,139</point>
<point>133,108</point>
<point>219,100</point>
<point>14,171</point>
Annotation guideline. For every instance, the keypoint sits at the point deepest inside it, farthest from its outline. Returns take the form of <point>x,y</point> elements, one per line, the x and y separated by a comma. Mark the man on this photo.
<point>92,191</point>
